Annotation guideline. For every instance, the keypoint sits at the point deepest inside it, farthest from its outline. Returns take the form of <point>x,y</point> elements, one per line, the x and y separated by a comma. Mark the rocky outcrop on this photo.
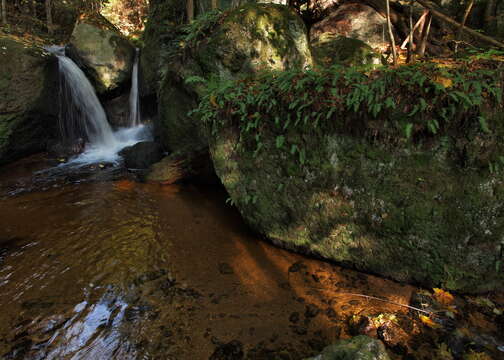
<point>358,348</point>
<point>105,55</point>
<point>353,20</point>
<point>28,111</point>
<point>247,40</point>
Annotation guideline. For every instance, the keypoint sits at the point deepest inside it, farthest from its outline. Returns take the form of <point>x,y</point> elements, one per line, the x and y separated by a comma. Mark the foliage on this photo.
<point>189,35</point>
<point>396,105</point>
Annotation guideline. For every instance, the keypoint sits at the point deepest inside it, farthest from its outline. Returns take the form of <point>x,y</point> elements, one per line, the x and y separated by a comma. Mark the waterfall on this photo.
<point>82,117</point>
<point>134,98</point>
<point>83,121</point>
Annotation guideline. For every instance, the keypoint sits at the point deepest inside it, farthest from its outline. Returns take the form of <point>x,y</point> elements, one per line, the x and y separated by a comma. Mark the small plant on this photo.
<point>409,102</point>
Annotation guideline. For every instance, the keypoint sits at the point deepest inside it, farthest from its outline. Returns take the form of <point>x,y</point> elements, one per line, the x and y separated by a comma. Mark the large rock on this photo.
<point>247,40</point>
<point>353,20</point>
<point>142,155</point>
<point>358,348</point>
<point>105,55</point>
<point>28,107</point>
<point>426,211</point>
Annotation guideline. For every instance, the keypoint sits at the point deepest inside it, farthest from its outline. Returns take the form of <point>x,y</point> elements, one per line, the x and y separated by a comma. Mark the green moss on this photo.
<point>418,209</point>
<point>342,50</point>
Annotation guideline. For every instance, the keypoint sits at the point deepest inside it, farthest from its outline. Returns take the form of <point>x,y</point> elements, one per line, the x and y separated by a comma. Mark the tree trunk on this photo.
<point>396,18</point>
<point>489,15</point>
<point>391,34</point>
<point>4,12</point>
<point>464,19</point>
<point>48,8</point>
<point>214,4</point>
<point>425,35</point>
<point>489,40</point>
<point>34,8</point>
<point>190,10</point>
<point>411,54</point>
<point>419,25</point>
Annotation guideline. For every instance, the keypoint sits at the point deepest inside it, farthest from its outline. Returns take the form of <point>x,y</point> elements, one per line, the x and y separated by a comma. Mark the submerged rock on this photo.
<point>103,52</point>
<point>28,111</point>
<point>358,348</point>
<point>142,155</point>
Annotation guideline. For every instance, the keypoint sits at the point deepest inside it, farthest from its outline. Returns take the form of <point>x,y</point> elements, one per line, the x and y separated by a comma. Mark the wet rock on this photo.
<point>142,155</point>
<point>117,110</point>
<point>230,351</point>
<point>357,348</point>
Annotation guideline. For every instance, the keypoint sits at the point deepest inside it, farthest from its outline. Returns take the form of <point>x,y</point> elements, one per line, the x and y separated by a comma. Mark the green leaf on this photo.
<point>408,130</point>
<point>280,141</point>
<point>483,125</point>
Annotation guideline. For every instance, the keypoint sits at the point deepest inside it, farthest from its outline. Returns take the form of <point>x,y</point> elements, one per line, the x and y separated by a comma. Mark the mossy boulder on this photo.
<point>345,51</point>
<point>244,41</point>
<point>358,348</point>
<point>28,107</point>
<point>353,189</point>
<point>104,54</point>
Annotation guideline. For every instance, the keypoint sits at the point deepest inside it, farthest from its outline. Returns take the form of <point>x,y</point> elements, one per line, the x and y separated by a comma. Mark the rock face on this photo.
<point>245,41</point>
<point>352,20</point>
<point>28,110</point>
<point>358,348</point>
<point>104,54</point>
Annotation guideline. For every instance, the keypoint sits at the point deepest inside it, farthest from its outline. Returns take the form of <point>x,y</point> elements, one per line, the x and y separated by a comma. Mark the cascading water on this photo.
<point>81,114</point>
<point>83,119</point>
<point>134,99</point>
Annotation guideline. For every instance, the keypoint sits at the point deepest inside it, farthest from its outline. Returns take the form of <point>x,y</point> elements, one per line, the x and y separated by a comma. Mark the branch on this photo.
<point>431,6</point>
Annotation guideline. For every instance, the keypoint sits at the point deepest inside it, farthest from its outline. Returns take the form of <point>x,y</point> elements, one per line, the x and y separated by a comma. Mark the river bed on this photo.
<point>103,267</point>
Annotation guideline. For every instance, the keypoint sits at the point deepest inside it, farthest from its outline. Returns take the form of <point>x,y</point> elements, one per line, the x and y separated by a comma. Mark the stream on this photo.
<point>94,265</point>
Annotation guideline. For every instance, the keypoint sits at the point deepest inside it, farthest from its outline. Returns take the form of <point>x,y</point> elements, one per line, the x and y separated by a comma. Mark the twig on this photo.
<point>418,23</point>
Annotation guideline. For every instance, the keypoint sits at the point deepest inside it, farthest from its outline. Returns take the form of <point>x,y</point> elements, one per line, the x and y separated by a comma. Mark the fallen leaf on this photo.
<point>429,322</point>
<point>443,297</point>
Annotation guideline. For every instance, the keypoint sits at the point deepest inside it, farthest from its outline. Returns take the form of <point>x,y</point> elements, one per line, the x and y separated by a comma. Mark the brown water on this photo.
<point>122,270</point>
